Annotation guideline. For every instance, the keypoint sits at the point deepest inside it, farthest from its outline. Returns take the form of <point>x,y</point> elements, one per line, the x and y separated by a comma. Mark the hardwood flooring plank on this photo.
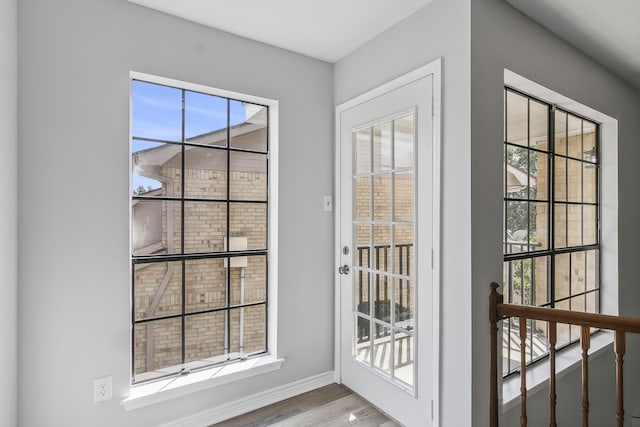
<point>271,414</point>
<point>330,406</point>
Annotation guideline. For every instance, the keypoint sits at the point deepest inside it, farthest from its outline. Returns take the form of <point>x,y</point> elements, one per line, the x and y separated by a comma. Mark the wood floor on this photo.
<point>333,405</point>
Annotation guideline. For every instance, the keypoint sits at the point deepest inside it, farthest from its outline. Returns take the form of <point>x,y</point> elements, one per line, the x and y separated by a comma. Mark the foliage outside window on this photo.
<point>199,239</point>
<point>551,216</point>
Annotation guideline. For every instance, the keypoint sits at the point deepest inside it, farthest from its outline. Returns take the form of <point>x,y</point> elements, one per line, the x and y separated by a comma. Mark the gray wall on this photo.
<point>503,38</point>
<point>441,29</point>
<point>8,211</point>
<point>74,310</point>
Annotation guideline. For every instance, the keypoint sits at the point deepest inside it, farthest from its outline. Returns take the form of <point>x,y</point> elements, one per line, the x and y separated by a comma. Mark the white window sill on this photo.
<point>567,360</point>
<point>162,390</point>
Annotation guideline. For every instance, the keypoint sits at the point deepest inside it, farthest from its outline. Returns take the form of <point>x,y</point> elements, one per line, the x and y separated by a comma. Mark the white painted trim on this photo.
<point>434,68</point>
<point>202,88</point>
<point>337,206</point>
<point>253,402</point>
<point>155,392</point>
<point>436,199</point>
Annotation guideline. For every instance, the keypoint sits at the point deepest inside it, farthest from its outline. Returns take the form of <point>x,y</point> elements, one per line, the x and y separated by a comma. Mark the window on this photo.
<point>551,219</point>
<point>199,228</point>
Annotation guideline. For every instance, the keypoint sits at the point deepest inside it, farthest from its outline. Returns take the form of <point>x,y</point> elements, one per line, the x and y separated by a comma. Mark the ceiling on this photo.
<point>323,29</point>
<point>608,31</point>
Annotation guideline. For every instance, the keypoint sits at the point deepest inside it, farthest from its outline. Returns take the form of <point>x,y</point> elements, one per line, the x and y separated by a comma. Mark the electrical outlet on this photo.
<point>102,389</point>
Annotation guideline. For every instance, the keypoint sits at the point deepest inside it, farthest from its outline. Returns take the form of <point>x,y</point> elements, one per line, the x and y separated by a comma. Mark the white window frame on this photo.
<point>153,392</point>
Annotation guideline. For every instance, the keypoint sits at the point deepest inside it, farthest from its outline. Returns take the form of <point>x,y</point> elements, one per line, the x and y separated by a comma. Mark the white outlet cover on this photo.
<point>102,389</point>
<point>328,203</point>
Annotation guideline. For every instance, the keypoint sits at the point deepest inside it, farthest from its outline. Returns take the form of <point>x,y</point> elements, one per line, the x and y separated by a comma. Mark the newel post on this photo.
<point>494,299</point>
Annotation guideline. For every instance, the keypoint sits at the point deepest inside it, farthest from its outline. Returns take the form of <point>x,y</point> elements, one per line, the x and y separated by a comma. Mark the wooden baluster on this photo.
<point>553,338</point>
<point>585,342</point>
<point>523,372</point>
<point>619,348</point>
<point>494,297</point>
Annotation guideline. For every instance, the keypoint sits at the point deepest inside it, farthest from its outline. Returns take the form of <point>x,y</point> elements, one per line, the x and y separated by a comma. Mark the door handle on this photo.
<point>343,269</point>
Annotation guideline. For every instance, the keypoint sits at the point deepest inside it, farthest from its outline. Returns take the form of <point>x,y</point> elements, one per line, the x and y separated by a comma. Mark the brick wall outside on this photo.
<point>380,259</point>
<point>574,225</point>
<point>205,280</point>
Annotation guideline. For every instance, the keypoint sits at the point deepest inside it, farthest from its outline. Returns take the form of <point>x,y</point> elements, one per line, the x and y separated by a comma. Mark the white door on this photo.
<point>387,292</point>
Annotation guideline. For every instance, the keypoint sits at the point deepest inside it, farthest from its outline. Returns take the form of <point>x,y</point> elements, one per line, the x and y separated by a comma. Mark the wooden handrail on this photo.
<point>601,321</point>
<point>620,325</point>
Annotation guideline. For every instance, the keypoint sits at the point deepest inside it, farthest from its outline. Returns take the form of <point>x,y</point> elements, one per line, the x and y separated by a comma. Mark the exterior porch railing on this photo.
<point>620,325</point>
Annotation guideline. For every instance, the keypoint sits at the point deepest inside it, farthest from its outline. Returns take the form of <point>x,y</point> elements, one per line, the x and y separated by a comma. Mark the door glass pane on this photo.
<point>382,347</point>
<point>362,148</point>
<point>382,147</point>
<point>404,293</point>
<point>403,196</point>
<point>403,250</point>
<point>382,197</point>
<point>382,284</point>
<point>362,198</point>
<point>362,239</point>
<point>362,339</point>
<point>361,292</point>
<point>403,142</point>
<point>383,190</point>
<point>403,356</point>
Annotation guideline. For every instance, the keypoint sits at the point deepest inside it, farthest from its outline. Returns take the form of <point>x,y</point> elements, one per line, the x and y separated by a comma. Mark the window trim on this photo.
<point>608,222</point>
<point>270,358</point>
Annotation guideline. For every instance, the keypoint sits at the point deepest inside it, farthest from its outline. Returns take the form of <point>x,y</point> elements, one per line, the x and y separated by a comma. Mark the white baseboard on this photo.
<point>253,402</point>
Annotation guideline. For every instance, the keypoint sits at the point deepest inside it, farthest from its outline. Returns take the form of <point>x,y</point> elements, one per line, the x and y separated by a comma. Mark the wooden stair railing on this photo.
<point>620,325</point>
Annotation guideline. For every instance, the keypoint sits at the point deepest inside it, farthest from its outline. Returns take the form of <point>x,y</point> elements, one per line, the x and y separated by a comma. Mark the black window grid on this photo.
<point>551,251</point>
<point>183,257</point>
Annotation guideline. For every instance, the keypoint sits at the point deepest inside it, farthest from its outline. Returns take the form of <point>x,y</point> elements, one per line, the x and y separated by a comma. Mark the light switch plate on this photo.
<point>328,203</point>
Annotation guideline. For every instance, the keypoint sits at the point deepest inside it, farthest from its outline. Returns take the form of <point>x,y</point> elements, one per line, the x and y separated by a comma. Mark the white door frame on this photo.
<point>434,68</point>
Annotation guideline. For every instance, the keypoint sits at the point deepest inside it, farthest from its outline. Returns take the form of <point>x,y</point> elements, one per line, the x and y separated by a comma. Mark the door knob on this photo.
<point>344,269</point>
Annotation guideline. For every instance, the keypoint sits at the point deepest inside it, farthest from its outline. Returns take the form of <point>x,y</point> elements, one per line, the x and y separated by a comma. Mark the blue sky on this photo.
<point>157,114</point>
